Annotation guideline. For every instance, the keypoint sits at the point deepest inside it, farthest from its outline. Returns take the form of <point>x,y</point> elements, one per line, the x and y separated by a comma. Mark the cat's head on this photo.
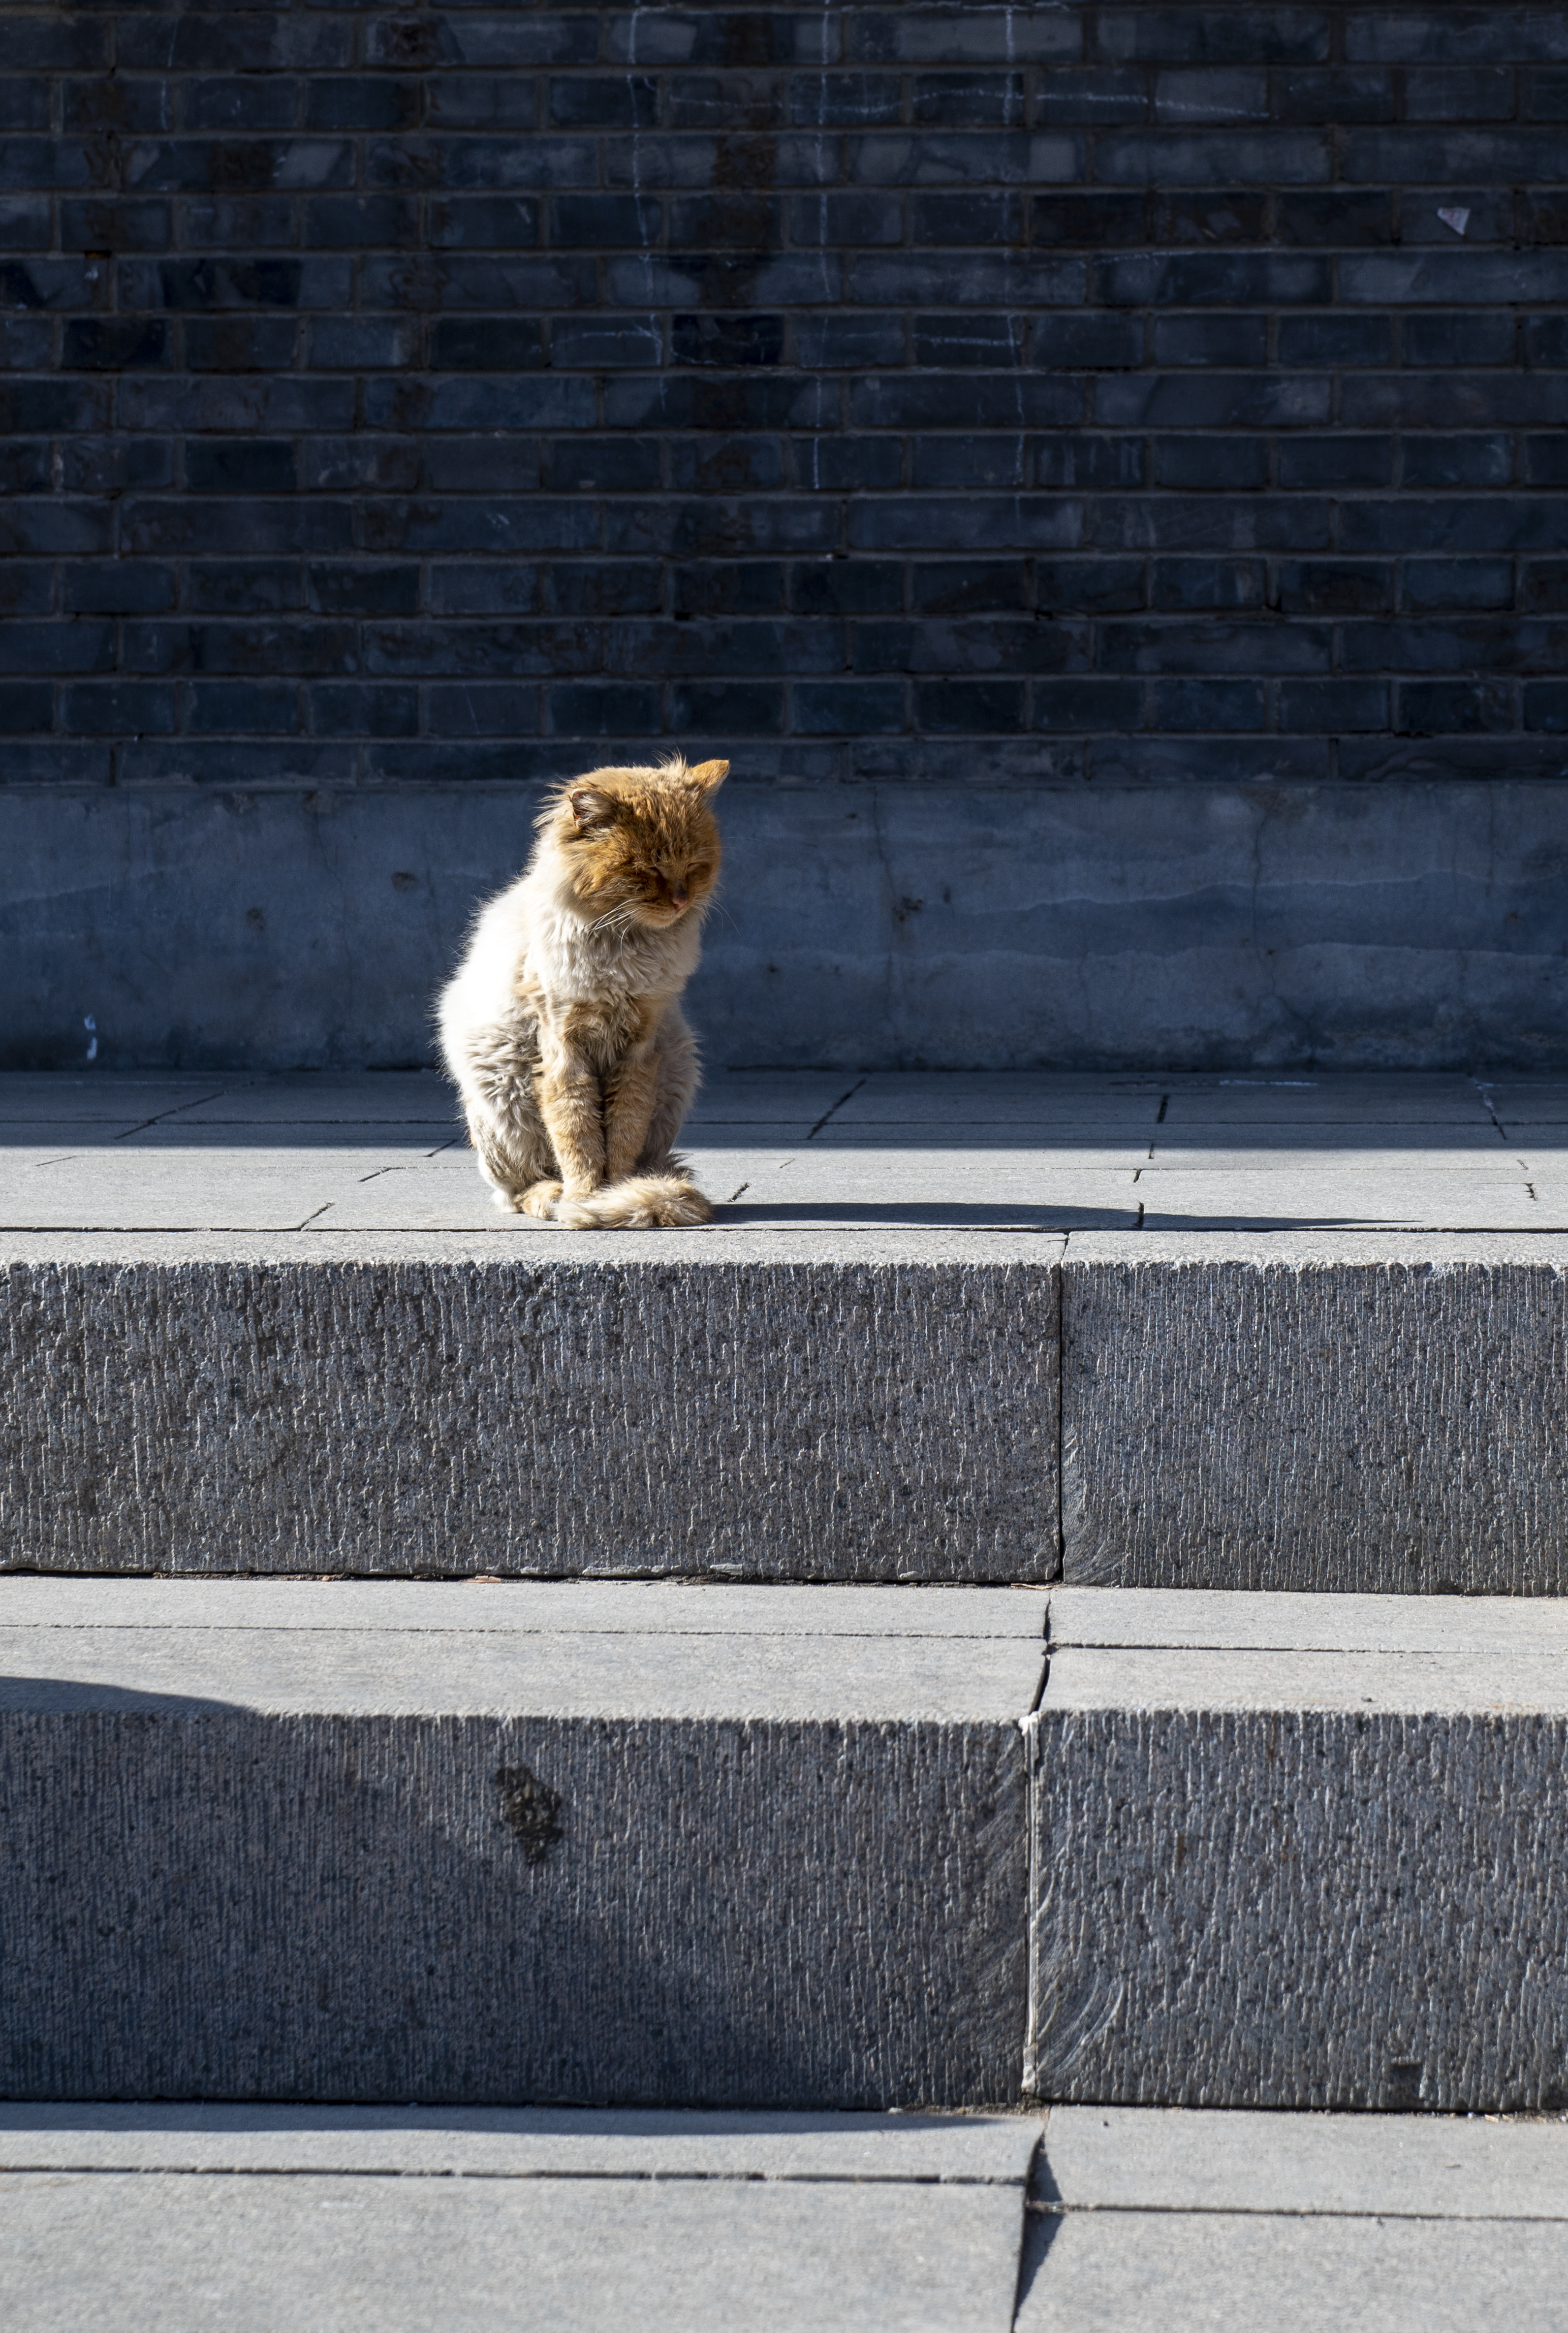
<point>639,846</point>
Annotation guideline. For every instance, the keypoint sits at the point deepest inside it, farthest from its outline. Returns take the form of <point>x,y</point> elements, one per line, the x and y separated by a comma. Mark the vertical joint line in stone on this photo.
<point>1060,1273</point>
<point>1030,1727</point>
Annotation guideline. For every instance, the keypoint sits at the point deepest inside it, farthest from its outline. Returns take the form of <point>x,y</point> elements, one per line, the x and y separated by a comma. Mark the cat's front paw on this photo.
<point>538,1200</point>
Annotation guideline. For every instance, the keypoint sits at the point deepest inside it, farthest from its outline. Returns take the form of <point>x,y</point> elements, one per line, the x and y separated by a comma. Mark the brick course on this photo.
<point>455,391</point>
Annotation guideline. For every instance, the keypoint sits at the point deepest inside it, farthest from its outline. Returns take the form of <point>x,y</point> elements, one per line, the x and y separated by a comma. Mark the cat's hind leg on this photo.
<point>506,1125</point>
<point>516,1182</point>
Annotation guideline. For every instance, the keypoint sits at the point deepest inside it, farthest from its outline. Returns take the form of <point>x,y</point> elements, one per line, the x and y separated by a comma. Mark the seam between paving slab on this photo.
<point>1040,2210</point>
<point>618,2176</point>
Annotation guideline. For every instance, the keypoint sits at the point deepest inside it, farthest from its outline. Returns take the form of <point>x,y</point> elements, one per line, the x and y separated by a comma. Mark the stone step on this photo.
<point>1153,1330</point>
<point>1394,2223</point>
<point>150,2218</point>
<point>1301,1851</point>
<point>153,2219</point>
<point>647,1843</point>
<point>628,1843</point>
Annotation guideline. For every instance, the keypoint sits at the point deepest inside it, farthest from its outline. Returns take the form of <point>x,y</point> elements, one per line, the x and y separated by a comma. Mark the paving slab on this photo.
<point>1372,2166</point>
<point>1209,2272</point>
<point>520,2142</point>
<point>133,2252</point>
<point>1316,1195</point>
<point>1416,1096</point>
<point>1390,1146</point>
<point>86,1095</point>
<point>509,1861</point>
<point>341,1664</point>
<point>975,1152</point>
<point>518,1609</point>
<point>1301,1874</point>
<point>785,1186</point>
<point>1264,1620</point>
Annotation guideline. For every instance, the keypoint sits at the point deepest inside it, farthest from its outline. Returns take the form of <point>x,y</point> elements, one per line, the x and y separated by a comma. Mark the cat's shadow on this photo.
<point>979,1215</point>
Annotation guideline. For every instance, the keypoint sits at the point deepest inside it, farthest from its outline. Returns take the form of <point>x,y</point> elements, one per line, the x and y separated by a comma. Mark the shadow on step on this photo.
<point>396,1907</point>
<point>75,1697</point>
<point>977,1215</point>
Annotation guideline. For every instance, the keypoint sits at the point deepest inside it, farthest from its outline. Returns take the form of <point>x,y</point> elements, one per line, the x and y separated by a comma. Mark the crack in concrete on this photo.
<point>836,1106</point>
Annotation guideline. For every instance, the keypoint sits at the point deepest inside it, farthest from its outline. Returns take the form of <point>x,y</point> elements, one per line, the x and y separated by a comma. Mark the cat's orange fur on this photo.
<point>563,1027</point>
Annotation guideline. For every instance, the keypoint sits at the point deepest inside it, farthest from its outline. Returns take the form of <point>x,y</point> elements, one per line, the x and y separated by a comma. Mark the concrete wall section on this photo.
<point>871,924</point>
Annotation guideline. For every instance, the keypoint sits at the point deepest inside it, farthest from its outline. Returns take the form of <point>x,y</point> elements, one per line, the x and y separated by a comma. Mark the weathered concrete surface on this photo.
<point>521,2142</point>
<point>1324,1413</point>
<point>1206,2271</point>
<point>489,1862</point>
<point>518,1610</point>
<point>152,2215</point>
<point>1182,2218</point>
<point>790,1150</point>
<point>1383,2165</point>
<point>1301,1876</point>
<point>867,924</point>
<point>1267,1620</point>
<point>429,1404</point>
<point>145,2253</point>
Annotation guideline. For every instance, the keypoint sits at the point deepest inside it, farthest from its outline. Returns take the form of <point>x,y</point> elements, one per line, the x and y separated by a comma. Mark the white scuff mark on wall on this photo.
<point>638,197</point>
<point>90,1023</point>
<point>825,53</point>
<point>1457,218</point>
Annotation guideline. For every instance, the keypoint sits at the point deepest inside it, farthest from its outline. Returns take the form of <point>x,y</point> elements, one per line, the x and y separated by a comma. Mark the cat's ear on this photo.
<point>588,807</point>
<point>709,775</point>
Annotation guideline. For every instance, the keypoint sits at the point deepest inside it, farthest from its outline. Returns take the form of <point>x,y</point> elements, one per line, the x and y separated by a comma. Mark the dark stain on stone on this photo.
<point>529,1807</point>
<point>1402,2090</point>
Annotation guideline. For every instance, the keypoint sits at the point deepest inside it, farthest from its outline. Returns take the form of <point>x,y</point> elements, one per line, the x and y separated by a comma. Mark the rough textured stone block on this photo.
<point>433,1408</point>
<point>1332,1413</point>
<point>492,1861</point>
<point>1299,1878</point>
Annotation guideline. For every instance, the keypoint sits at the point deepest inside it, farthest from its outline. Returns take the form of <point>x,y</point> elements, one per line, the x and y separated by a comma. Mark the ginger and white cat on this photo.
<point>563,1026</point>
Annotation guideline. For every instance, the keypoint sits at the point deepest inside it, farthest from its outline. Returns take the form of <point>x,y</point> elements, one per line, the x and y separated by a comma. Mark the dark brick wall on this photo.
<point>444,392</point>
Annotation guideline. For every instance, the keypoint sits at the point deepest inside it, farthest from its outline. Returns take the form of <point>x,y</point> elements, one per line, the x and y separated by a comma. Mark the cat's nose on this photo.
<point>679,894</point>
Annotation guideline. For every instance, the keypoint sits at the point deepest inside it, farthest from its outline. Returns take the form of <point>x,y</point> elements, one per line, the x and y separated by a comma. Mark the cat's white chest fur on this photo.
<point>565,962</point>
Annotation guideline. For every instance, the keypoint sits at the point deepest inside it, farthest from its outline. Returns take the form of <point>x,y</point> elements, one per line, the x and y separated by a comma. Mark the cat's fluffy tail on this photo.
<point>640,1202</point>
